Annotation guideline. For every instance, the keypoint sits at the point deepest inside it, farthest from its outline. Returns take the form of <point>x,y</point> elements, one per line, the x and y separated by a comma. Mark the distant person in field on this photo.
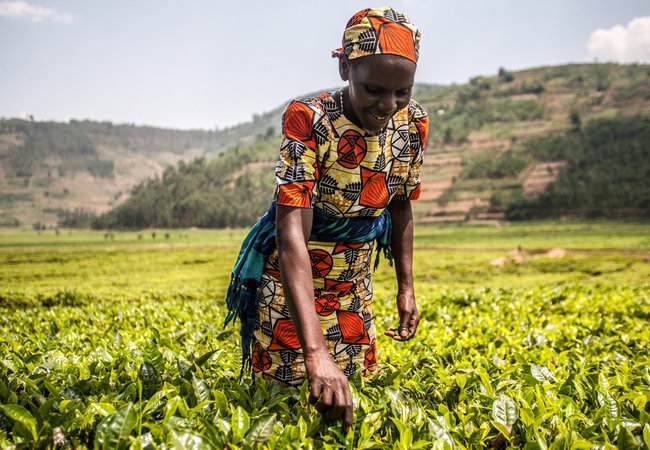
<point>348,169</point>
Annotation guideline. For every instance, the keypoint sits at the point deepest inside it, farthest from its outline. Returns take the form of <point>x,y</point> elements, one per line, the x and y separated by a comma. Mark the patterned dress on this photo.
<point>328,163</point>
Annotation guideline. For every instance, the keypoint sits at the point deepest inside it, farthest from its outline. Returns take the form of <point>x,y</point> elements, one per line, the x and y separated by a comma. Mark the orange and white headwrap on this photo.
<point>380,30</point>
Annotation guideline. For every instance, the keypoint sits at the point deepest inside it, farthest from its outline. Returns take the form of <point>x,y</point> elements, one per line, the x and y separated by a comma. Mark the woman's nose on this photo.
<point>387,104</point>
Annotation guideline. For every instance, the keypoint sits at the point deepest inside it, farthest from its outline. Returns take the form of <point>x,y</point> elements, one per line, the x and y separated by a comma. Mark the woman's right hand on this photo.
<point>329,388</point>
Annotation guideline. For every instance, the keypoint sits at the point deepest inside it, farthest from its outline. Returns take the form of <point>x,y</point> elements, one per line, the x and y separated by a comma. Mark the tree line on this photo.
<point>607,175</point>
<point>225,192</point>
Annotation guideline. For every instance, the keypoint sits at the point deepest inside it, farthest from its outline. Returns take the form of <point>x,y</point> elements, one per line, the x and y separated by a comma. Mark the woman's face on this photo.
<point>379,86</point>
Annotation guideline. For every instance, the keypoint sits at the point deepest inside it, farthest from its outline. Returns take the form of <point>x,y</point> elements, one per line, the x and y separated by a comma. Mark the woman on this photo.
<point>349,166</point>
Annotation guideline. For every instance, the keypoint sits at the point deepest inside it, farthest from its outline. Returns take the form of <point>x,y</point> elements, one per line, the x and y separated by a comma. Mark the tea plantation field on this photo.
<point>533,336</point>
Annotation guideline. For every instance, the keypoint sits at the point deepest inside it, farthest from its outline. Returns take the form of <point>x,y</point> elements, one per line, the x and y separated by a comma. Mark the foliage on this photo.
<point>505,76</point>
<point>8,221</point>
<point>521,88</point>
<point>151,371</point>
<point>120,344</point>
<point>42,140</point>
<point>608,172</point>
<point>473,112</point>
<point>201,193</point>
<point>552,148</point>
<point>77,218</point>
<point>507,164</point>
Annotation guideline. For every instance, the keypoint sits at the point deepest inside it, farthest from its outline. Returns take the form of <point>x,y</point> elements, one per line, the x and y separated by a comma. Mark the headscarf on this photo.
<point>379,30</point>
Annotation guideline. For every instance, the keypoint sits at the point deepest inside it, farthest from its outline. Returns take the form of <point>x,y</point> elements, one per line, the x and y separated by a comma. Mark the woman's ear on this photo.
<point>344,68</point>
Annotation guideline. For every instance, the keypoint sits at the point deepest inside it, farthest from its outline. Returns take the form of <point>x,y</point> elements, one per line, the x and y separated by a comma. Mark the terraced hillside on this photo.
<point>476,160</point>
<point>483,153</point>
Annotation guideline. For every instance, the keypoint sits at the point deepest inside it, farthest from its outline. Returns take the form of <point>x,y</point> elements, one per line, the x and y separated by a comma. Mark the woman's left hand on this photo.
<point>408,318</point>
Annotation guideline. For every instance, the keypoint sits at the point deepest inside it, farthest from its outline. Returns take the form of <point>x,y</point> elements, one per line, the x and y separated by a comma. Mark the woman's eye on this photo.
<point>372,89</point>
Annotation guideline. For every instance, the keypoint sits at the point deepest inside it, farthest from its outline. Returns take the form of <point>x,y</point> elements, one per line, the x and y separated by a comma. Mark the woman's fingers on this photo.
<point>406,329</point>
<point>329,390</point>
<point>334,400</point>
<point>335,412</point>
<point>327,399</point>
<point>400,334</point>
<point>348,418</point>
<point>314,392</point>
<point>342,407</point>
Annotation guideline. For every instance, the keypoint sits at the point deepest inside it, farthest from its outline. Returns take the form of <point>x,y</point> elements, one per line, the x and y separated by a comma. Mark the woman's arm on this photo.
<point>327,382</point>
<point>402,248</point>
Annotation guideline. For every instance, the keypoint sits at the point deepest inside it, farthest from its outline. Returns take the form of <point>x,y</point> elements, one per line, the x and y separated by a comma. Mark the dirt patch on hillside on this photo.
<point>433,190</point>
<point>171,158</point>
<point>251,166</point>
<point>490,143</point>
<point>460,206</point>
<point>443,219</point>
<point>538,176</point>
<point>8,141</point>
<point>447,160</point>
<point>558,100</point>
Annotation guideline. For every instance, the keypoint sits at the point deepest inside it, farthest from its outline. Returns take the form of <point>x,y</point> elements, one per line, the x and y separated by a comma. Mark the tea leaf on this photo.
<point>150,378</point>
<point>542,373</point>
<point>183,439</point>
<point>626,440</point>
<point>201,389</point>
<point>22,416</point>
<point>505,411</point>
<point>261,429</point>
<point>115,429</point>
<point>239,423</point>
<point>204,358</point>
<point>153,356</point>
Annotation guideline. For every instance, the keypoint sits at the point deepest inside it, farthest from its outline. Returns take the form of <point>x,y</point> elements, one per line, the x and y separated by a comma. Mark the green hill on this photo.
<point>479,161</point>
<point>512,144</point>
<point>86,167</point>
<point>230,191</point>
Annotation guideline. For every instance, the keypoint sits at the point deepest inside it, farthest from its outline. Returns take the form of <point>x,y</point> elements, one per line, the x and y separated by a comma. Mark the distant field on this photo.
<point>457,255</point>
<point>531,334</point>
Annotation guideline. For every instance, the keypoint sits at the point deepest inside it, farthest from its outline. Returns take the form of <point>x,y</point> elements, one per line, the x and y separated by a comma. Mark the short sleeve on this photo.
<point>418,132</point>
<point>296,171</point>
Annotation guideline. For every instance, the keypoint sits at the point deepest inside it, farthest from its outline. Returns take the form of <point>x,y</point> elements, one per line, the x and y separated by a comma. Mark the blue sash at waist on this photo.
<point>260,242</point>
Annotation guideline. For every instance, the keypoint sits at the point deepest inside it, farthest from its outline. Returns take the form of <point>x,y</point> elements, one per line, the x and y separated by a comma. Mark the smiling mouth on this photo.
<point>379,118</point>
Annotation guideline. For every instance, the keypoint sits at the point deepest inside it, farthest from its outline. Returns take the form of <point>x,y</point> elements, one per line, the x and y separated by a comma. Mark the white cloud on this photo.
<point>19,9</point>
<point>622,44</point>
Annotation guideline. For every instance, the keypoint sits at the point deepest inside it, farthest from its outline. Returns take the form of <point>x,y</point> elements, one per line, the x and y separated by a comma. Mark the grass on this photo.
<point>450,255</point>
<point>80,311</point>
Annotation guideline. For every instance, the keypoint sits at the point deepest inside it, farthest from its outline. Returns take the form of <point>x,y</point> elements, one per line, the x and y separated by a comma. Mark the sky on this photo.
<point>212,64</point>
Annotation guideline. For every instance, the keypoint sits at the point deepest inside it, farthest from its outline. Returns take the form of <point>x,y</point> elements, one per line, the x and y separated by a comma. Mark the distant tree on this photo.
<point>576,121</point>
<point>606,173</point>
<point>505,76</point>
<point>448,137</point>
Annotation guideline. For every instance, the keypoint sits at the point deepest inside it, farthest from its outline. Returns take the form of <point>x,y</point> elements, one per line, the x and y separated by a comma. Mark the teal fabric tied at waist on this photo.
<point>260,242</point>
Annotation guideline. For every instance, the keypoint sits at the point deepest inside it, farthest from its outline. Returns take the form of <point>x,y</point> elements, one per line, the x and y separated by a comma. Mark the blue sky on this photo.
<point>209,63</point>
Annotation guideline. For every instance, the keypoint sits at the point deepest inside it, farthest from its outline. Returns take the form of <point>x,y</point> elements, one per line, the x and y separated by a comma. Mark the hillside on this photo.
<point>47,168</point>
<point>481,160</point>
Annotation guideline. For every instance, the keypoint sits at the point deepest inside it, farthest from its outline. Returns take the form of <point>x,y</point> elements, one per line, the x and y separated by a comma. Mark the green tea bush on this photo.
<point>548,367</point>
<point>507,164</point>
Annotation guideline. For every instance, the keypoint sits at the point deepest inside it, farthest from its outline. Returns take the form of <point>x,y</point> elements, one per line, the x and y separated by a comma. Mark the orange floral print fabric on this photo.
<point>328,163</point>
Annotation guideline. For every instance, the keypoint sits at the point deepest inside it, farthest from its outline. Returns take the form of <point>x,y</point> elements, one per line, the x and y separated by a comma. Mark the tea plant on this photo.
<point>124,347</point>
<point>553,367</point>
